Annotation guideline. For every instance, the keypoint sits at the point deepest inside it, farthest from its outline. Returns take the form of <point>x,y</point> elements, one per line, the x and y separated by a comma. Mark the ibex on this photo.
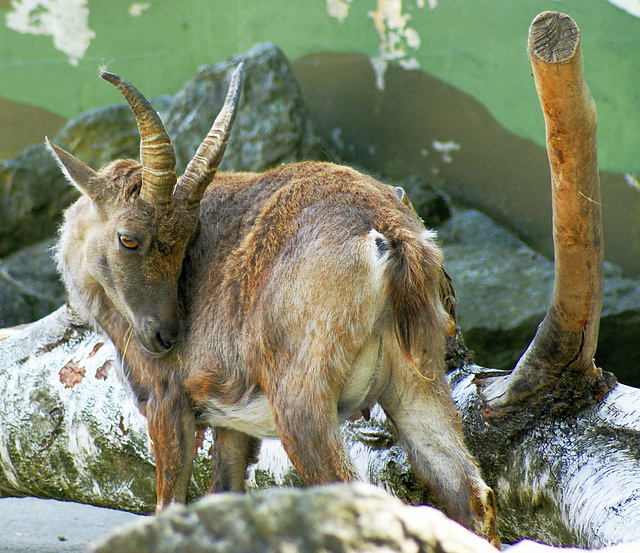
<point>265,305</point>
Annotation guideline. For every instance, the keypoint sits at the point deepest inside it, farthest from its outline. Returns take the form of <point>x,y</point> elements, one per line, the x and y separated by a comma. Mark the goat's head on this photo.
<point>137,218</point>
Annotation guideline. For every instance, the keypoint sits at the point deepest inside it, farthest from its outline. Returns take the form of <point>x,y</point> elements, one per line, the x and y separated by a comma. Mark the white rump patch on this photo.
<point>428,237</point>
<point>378,248</point>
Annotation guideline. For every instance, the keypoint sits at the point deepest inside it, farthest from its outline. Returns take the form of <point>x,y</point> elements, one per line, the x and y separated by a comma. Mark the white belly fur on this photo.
<point>251,416</point>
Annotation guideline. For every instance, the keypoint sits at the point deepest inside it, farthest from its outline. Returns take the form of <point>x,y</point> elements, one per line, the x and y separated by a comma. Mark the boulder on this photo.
<point>504,288</point>
<point>350,518</point>
<point>353,518</point>
<point>272,126</point>
<point>33,193</point>
<point>30,287</point>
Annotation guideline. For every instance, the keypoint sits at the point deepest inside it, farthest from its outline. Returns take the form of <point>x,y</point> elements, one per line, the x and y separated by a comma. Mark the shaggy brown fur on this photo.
<point>288,302</point>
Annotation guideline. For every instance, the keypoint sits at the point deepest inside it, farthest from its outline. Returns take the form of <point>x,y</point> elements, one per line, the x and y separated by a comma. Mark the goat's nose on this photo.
<point>167,335</point>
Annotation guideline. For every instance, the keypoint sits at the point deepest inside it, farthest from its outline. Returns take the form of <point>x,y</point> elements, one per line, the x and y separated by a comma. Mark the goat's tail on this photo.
<point>417,293</point>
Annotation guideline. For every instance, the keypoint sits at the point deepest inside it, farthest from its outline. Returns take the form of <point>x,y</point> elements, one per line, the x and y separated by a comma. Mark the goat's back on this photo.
<point>307,259</point>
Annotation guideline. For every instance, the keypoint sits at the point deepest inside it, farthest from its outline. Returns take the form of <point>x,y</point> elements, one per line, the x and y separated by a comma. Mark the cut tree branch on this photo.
<point>566,339</point>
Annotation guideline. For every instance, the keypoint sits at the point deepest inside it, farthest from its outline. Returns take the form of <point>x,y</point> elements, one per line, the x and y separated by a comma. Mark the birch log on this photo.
<point>70,431</point>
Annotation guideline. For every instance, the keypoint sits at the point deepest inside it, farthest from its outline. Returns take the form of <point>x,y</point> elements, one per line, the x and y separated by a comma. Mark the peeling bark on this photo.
<point>561,476</point>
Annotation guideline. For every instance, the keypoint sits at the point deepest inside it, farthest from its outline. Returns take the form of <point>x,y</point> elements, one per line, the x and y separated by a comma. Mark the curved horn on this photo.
<point>202,168</point>
<point>156,152</point>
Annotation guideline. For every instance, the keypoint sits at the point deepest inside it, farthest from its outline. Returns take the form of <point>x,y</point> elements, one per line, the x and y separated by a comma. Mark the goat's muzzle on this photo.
<point>158,338</point>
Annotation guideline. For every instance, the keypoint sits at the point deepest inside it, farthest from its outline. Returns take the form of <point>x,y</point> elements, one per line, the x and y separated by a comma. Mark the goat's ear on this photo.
<point>78,173</point>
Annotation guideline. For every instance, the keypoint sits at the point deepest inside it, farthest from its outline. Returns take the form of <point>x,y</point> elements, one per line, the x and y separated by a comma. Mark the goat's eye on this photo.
<point>127,242</point>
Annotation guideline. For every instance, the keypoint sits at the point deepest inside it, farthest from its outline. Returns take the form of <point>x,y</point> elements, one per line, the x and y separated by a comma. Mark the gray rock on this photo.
<point>33,194</point>
<point>346,518</point>
<point>30,287</point>
<point>504,289</point>
<point>272,125</point>
<point>472,228</point>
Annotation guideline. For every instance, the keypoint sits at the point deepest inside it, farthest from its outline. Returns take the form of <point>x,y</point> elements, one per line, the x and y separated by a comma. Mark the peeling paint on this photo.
<point>67,21</point>
<point>445,148</point>
<point>396,37</point>
<point>630,6</point>
<point>338,9</point>
<point>409,64</point>
<point>136,9</point>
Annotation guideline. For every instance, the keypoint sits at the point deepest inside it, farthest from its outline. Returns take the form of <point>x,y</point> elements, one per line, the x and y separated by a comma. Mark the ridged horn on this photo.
<point>202,168</point>
<point>156,152</point>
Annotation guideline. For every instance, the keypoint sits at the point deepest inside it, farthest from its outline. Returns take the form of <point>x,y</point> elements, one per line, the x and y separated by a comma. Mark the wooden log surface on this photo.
<point>566,339</point>
<point>70,431</point>
<point>560,478</point>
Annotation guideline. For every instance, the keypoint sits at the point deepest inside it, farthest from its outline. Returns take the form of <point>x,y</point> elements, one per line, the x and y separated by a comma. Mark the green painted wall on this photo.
<point>459,74</point>
<point>477,46</point>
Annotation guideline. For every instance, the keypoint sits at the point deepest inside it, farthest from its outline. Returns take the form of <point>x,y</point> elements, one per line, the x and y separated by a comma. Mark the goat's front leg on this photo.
<point>232,452</point>
<point>306,416</point>
<point>171,425</point>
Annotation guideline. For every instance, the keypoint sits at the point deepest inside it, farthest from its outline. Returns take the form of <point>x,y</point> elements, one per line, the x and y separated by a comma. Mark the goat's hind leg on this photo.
<point>232,452</point>
<point>428,426</point>
<point>306,416</point>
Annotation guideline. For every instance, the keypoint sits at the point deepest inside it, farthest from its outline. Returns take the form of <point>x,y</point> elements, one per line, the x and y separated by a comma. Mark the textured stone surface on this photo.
<point>504,288</point>
<point>30,287</point>
<point>33,193</point>
<point>340,518</point>
<point>272,125</point>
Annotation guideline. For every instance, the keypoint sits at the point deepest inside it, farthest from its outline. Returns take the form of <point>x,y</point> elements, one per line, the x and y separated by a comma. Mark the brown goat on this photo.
<point>266,305</point>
